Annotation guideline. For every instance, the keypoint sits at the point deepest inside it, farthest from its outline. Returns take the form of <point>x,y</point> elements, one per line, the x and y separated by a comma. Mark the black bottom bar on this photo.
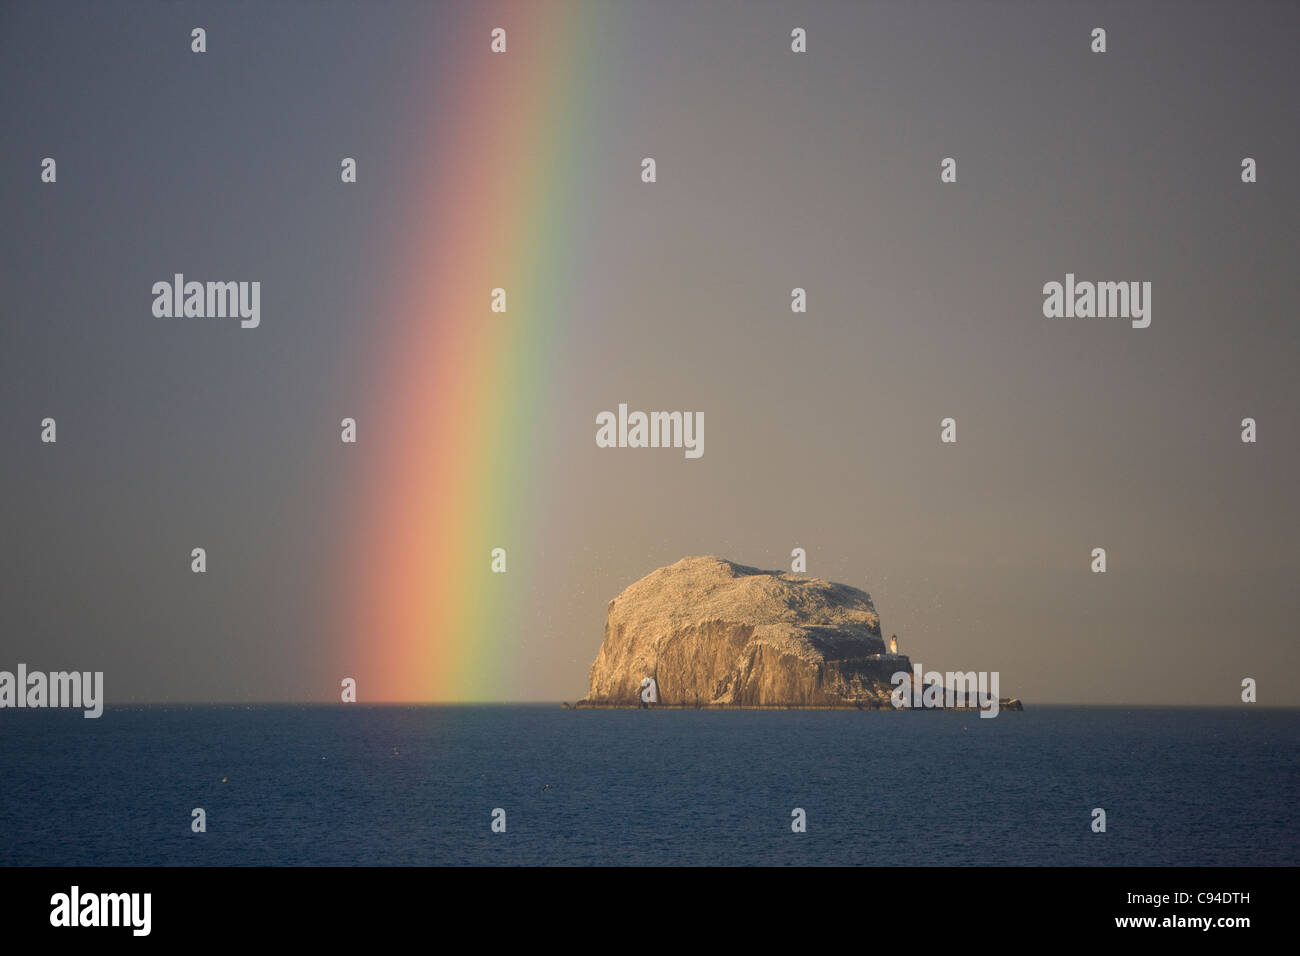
<point>564,907</point>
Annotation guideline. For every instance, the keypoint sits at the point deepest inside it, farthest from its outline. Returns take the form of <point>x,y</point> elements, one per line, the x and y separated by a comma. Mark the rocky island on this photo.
<point>712,633</point>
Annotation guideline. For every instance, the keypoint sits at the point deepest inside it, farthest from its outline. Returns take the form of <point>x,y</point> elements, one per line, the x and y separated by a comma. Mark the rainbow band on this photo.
<point>428,620</point>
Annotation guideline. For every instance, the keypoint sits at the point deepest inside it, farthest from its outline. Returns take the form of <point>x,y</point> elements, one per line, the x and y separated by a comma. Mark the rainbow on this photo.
<point>428,621</point>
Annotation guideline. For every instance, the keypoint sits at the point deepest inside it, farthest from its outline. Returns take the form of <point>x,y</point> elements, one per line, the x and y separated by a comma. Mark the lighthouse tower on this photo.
<point>893,644</point>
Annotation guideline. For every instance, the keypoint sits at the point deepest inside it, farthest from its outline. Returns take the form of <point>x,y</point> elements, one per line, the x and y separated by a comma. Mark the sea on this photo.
<point>530,785</point>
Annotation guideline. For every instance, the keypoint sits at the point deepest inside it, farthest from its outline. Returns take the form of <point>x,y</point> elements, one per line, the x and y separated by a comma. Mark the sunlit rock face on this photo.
<point>714,633</point>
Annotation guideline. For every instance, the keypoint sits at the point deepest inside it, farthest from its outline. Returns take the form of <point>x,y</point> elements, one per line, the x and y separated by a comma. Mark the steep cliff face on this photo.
<point>711,633</point>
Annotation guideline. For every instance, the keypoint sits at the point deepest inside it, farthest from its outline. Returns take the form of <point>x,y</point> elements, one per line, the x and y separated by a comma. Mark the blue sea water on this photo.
<point>417,785</point>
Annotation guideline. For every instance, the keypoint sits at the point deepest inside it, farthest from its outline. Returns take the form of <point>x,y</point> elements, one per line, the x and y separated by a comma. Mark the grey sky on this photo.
<point>822,430</point>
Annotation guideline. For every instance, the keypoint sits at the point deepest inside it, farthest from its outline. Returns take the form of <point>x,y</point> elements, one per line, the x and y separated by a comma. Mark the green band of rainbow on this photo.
<point>427,619</point>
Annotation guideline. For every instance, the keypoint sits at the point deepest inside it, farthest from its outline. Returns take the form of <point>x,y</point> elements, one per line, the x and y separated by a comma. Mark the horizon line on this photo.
<point>630,705</point>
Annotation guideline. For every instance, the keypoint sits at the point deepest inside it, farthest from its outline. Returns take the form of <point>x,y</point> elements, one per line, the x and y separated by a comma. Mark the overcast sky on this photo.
<point>776,170</point>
